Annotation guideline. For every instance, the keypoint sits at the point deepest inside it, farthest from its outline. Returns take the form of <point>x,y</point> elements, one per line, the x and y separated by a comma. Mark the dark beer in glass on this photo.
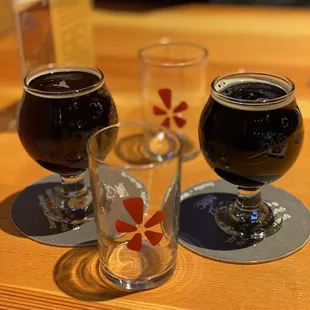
<point>60,109</point>
<point>251,133</point>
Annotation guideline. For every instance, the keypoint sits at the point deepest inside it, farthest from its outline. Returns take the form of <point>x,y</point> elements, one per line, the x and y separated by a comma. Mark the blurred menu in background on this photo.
<point>49,33</point>
<point>53,32</point>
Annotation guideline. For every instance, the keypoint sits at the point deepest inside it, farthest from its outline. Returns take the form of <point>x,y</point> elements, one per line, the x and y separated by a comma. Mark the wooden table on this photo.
<point>264,39</point>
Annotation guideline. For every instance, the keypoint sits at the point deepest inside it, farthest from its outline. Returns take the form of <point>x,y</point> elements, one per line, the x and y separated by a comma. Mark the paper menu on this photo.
<point>54,32</point>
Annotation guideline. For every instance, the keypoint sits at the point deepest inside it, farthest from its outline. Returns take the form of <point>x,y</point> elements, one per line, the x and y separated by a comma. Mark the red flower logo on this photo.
<point>166,95</point>
<point>134,207</point>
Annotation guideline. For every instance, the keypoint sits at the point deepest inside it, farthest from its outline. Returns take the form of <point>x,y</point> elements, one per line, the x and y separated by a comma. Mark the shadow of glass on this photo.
<point>199,228</point>
<point>5,216</point>
<point>77,275</point>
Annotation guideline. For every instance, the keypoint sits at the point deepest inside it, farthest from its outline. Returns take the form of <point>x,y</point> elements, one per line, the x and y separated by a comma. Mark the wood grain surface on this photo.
<point>35,276</point>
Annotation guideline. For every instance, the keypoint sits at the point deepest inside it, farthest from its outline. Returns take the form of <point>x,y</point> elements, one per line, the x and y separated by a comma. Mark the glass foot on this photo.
<point>74,210</point>
<point>71,202</point>
<point>254,224</point>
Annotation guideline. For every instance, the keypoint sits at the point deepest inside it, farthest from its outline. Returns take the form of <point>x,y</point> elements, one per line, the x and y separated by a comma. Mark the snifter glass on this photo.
<point>59,110</point>
<point>251,133</point>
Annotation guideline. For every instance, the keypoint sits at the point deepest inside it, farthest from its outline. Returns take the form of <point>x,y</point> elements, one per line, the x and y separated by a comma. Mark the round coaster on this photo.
<point>29,208</point>
<point>200,233</point>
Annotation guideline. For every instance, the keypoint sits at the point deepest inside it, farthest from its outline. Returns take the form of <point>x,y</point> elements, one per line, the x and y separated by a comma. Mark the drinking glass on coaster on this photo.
<point>173,79</point>
<point>59,110</point>
<point>137,210</point>
<point>251,133</point>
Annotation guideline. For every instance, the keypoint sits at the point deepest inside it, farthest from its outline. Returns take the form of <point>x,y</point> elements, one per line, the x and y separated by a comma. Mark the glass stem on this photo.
<point>73,186</point>
<point>248,216</point>
<point>249,200</point>
<point>74,200</point>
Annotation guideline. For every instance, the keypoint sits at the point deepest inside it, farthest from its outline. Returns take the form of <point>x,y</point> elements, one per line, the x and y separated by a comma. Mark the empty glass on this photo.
<point>136,205</point>
<point>173,81</point>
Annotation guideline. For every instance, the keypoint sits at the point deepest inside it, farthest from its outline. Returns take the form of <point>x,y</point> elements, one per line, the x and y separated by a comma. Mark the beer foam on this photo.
<point>64,92</point>
<point>260,104</point>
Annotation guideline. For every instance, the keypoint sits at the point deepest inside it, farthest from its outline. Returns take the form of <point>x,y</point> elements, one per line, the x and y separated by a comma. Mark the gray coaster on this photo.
<point>200,233</point>
<point>29,208</point>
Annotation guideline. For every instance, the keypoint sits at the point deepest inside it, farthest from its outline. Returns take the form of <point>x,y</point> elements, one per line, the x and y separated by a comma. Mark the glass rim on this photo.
<point>252,104</point>
<point>176,153</point>
<point>62,94</point>
<point>198,61</point>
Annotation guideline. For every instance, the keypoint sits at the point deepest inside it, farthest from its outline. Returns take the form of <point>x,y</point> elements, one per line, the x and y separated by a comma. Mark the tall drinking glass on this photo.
<point>136,205</point>
<point>173,80</point>
<point>251,133</point>
<point>59,110</point>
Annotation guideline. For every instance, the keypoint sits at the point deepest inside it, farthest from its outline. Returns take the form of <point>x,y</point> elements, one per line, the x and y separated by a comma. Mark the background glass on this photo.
<point>53,31</point>
<point>251,133</point>
<point>173,81</point>
<point>59,110</point>
<point>137,206</point>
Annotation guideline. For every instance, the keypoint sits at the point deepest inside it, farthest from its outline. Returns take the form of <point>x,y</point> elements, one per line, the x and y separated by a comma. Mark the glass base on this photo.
<point>189,150</point>
<point>138,284</point>
<point>71,210</point>
<point>132,149</point>
<point>255,225</point>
